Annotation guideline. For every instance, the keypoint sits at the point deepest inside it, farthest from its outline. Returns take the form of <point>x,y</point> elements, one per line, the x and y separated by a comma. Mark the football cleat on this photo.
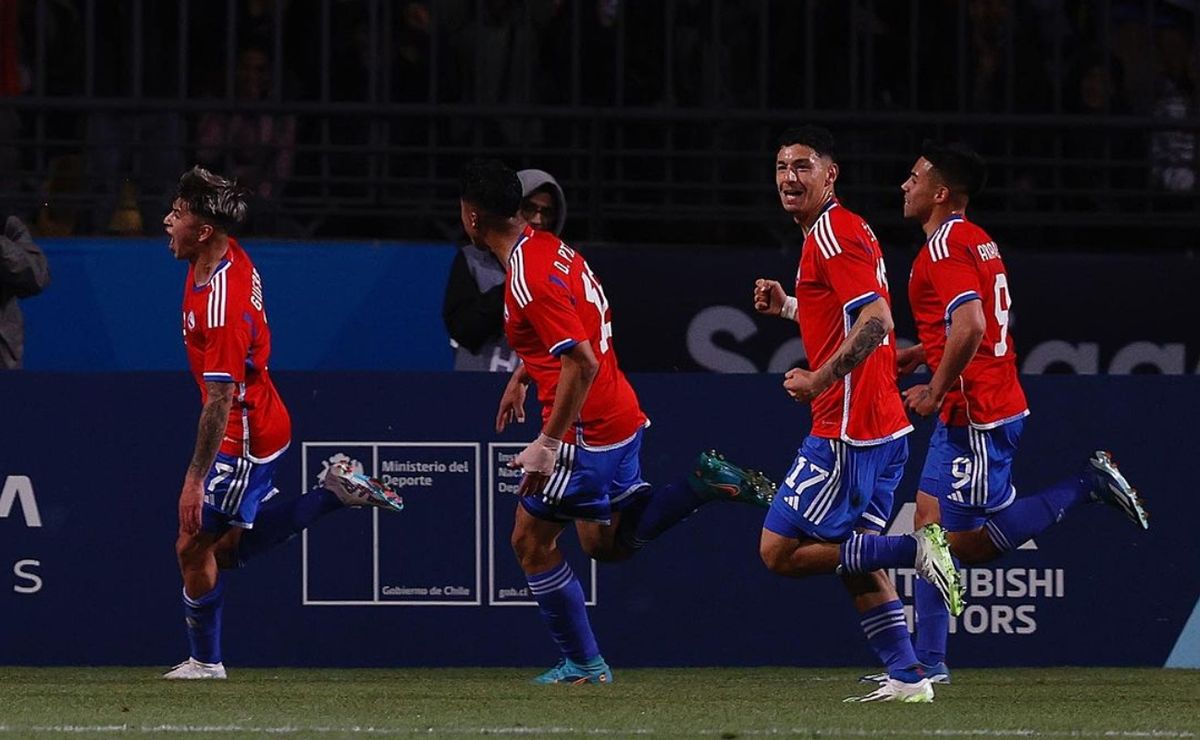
<point>716,478</point>
<point>569,672</point>
<point>1110,486</point>
<point>356,489</point>
<point>936,566</point>
<point>936,673</point>
<point>893,689</point>
<point>191,669</point>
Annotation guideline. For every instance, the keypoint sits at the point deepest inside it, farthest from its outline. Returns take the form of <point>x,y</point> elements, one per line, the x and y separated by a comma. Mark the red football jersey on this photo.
<point>961,263</point>
<point>842,270</point>
<point>228,341</point>
<point>553,302</point>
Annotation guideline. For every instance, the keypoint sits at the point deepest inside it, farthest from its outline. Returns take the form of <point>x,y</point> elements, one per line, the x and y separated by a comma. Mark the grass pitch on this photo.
<point>677,702</point>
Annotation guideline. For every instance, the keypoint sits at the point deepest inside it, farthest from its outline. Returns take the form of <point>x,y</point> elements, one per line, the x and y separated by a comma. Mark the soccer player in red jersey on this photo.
<point>961,298</point>
<point>584,467</point>
<point>837,495</point>
<point>244,426</point>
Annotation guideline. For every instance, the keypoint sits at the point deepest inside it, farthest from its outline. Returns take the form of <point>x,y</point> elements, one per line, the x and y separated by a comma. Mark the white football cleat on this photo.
<point>194,669</point>
<point>1111,487</point>
<point>356,489</point>
<point>936,673</point>
<point>920,692</point>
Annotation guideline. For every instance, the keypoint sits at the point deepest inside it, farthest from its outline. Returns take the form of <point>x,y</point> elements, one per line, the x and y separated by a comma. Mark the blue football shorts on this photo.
<point>834,488</point>
<point>969,470</point>
<point>590,484</point>
<point>234,489</point>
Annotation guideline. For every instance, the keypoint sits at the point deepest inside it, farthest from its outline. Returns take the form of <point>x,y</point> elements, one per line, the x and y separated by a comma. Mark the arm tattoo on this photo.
<point>213,419</point>
<point>861,344</point>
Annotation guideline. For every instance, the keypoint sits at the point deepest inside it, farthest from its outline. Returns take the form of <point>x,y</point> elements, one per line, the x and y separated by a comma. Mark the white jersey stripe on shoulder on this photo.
<point>523,282</point>
<point>935,250</point>
<point>223,284</point>
<point>214,301</point>
<point>514,269</point>
<point>944,242</point>
<point>826,238</point>
<point>819,237</point>
<point>829,232</point>
<point>519,286</point>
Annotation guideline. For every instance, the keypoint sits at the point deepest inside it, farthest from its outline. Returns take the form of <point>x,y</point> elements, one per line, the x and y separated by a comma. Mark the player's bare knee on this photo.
<point>927,510</point>
<point>532,553</point>
<point>190,552</point>
<point>227,558</point>
<point>607,552</point>
<point>973,547</point>
<point>779,560</point>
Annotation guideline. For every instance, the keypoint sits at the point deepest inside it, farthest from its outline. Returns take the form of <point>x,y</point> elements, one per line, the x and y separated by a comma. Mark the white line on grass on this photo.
<point>372,730</point>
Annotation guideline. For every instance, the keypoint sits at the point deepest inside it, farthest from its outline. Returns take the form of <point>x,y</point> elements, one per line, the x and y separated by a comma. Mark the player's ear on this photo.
<point>205,233</point>
<point>832,175</point>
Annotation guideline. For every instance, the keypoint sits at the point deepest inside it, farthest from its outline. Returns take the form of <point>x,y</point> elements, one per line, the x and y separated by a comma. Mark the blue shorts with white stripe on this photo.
<point>834,488</point>
<point>591,484</point>
<point>233,490</point>
<point>970,472</point>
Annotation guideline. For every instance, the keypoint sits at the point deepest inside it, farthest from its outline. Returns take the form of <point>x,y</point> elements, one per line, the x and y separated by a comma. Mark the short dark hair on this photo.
<point>959,166</point>
<point>213,198</point>
<point>491,186</point>
<point>817,138</point>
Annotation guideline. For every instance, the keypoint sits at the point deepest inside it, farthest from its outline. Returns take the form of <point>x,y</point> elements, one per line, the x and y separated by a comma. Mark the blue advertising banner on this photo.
<point>377,306</point>
<point>113,304</point>
<point>91,465</point>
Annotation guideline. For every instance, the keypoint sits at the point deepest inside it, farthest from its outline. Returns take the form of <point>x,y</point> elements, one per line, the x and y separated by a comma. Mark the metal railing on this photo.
<point>353,117</point>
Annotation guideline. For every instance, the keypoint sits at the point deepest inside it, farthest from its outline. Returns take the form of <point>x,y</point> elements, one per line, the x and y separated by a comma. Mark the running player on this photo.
<point>837,496</point>
<point>244,427</point>
<point>961,298</point>
<point>584,466</point>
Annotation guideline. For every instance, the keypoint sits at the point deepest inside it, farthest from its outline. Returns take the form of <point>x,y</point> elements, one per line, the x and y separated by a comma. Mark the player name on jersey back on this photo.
<point>552,303</point>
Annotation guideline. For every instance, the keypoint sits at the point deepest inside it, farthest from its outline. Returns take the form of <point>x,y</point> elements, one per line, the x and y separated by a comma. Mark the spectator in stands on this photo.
<point>473,309</point>
<point>498,50</point>
<point>543,204</point>
<point>1095,88</point>
<point>23,273</point>
<point>258,149</point>
<point>1173,151</point>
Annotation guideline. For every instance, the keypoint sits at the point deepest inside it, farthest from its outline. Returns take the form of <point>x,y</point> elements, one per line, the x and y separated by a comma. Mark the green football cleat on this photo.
<point>935,564</point>
<point>717,478</point>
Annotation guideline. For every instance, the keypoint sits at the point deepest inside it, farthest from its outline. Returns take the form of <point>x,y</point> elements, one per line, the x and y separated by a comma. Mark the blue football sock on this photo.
<point>203,616</point>
<point>663,508</point>
<point>863,553</point>
<point>933,623</point>
<point>887,634</point>
<point>1029,516</point>
<point>560,600</point>
<point>279,521</point>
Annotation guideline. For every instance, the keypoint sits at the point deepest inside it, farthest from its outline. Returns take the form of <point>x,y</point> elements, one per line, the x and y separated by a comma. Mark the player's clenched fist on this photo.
<point>537,460</point>
<point>769,296</point>
<point>802,385</point>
